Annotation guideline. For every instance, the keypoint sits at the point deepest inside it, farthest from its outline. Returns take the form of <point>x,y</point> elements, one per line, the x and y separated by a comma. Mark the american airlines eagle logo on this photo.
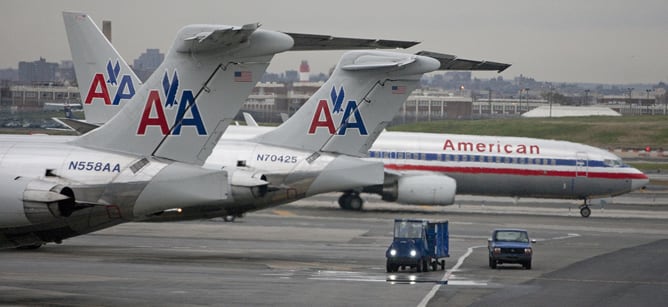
<point>154,110</point>
<point>100,88</point>
<point>349,117</point>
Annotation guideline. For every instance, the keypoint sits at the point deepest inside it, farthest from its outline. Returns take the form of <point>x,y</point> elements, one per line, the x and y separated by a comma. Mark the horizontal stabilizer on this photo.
<point>226,37</point>
<point>451,62</point>
<point>327,42</point>
<point>76,125</point>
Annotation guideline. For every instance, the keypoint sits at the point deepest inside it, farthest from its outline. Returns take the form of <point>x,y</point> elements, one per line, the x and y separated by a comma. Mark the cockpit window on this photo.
<point>613,162</point>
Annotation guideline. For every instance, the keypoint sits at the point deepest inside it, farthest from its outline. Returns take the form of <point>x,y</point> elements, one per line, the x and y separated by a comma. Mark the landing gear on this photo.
<point>30,247</point>
<point>351,201</point>
<point>231,217</point>
<point>584,209</point>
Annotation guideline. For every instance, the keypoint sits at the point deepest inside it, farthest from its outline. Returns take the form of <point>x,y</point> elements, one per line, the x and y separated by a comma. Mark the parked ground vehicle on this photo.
<point>510,246</point>
<point>418,244</point>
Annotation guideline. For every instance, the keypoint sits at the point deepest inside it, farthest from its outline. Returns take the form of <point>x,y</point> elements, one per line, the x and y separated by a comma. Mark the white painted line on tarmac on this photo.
<point>447,275</point>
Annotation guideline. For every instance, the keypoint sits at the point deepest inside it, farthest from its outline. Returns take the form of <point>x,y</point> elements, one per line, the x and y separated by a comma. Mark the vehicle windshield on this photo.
<point>405,229</point>
<point>511,236</point>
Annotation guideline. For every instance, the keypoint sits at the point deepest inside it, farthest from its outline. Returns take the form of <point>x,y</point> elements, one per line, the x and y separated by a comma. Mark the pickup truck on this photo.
<point>510,246</point>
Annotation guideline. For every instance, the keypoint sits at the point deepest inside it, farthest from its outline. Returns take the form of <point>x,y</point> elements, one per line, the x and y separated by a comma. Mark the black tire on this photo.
<point>344,201</point>
<point>29,247</point>
<point>442,265</point>
<point>355,202</point>
<point>418,266</point>
<point>527,265</point>
<point>425,265</point>
<point>492,263</point>
<point>434,266</point>
<point>389,267</point>
<point>585,211</point>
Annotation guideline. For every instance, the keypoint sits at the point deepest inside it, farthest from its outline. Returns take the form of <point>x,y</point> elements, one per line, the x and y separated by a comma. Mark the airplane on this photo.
<point>148,158</point>
<point>311,152</point>
<point>486,166</point>
<point>443,165</point>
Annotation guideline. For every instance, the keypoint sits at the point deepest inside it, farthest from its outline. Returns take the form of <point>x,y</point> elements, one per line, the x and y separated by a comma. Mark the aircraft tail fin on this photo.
<point>250,121</point>
<point>187,103</point>
<point>106,81</point>
<point>359,100</point>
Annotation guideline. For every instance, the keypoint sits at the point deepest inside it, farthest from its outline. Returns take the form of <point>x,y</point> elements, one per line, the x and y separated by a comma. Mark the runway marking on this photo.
<point>283,213</point>
<point>630,282</point>
<point>447,275</point>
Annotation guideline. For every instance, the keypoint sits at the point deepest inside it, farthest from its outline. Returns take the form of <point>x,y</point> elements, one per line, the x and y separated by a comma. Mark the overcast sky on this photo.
<point>602,41</point>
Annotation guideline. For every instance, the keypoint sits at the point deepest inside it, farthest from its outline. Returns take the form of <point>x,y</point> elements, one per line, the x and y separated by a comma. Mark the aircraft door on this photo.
<point>581,164</point>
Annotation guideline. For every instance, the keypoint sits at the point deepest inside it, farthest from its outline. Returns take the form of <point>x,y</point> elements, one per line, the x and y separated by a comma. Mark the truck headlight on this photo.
<point>413,253</point>
<point>393,252</point>
<point>497,250</point>
<point>528,251</point>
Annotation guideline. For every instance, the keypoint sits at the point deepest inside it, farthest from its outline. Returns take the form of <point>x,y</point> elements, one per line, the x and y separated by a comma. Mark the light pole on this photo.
<point>527,98</point>
<point>649,90</point>
<point>489,100</point>
<point>631,97</point>
<point>586,102</point>
<point>551,98</point>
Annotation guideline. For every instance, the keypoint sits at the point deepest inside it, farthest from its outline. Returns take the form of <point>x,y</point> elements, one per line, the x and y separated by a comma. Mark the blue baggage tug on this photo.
<point>418,244</point>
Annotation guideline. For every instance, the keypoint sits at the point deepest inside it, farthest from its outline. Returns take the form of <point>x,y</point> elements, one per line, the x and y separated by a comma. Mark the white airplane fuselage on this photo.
<point>241,170</point>
<point>52,190</point>
<point>510,166</point>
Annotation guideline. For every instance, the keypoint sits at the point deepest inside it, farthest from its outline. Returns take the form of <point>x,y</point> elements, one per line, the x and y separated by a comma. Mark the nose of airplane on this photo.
<point>639,181</point>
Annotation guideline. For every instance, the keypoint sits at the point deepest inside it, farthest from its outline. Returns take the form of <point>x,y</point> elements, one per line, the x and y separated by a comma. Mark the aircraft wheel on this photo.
<point>229,218</point>
<point>344,201</point>
<point>29,247</point>
<point>355,202</point>
<point>585,211</point>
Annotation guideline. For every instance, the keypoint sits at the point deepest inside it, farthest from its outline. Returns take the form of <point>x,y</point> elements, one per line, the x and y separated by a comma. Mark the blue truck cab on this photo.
<point>418,244</point>
<point>510,246</point>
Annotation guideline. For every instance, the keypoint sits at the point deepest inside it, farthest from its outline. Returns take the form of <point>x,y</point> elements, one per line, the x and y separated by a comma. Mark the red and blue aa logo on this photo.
<point>350,117</point>
<point>154,110</point>
<point>99,87</point>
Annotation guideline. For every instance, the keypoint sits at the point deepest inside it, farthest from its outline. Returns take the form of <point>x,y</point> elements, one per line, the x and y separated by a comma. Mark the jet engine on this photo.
<point>421,190</point>
<point>248,185</point>
<point>27,201</point>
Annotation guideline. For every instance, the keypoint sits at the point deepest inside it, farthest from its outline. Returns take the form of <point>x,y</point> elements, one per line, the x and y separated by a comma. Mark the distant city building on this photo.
<point>147,63</point>
<point>9,74</point>
<point>36,97</point>
<point>65,73</point>
<point>39,71</point>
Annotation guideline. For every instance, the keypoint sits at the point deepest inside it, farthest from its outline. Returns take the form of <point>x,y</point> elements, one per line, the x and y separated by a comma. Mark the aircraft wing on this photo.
<point>326,42</point>
<point>451,62</point>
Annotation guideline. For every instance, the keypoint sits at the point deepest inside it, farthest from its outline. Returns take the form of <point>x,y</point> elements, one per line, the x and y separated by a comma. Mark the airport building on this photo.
<point>36,97</point>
